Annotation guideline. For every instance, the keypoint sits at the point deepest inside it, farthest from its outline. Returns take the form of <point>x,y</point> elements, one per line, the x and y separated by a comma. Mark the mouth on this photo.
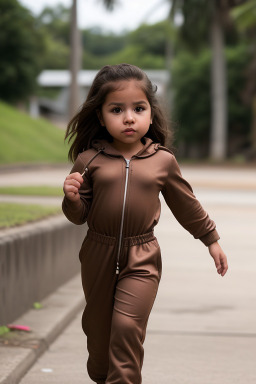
<point>127,130</point>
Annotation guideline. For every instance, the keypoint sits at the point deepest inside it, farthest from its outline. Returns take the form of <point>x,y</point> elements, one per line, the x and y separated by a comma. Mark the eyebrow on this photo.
<point>121,104</point>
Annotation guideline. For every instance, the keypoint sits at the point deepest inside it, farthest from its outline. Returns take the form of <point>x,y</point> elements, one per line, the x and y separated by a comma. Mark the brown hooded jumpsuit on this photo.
<point>120,257</point>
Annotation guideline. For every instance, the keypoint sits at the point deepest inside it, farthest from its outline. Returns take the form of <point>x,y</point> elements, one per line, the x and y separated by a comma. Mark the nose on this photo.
<point>128,117</point>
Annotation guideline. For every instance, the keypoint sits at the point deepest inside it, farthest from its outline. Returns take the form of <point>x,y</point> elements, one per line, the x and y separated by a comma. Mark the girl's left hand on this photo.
<point>219,258</point>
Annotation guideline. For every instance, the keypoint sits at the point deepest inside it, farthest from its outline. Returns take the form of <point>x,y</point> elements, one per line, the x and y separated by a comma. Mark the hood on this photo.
<point>105,146</point>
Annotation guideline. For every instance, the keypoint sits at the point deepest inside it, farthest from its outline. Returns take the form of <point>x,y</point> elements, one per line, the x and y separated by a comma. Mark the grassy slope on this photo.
<point>17,214</point>
<point>37,190</point>
<point>27,140</point>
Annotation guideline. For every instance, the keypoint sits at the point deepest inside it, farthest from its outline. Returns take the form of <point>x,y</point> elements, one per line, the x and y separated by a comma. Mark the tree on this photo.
<point>192,100</point>
<point>75,59</point>
<point>75,55</point>
<point>218,141</point>
<point>54,24</point>
<point>144,46</point>
<point>21,46</point>
<point>199,15</point>
<point>244,17</point>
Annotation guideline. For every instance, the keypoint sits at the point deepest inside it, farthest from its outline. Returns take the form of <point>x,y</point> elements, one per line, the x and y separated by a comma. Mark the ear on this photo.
<point>100,117</point>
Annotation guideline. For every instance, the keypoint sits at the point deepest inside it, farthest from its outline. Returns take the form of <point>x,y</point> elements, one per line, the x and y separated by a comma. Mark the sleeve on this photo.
<point>78,215</point>
<point>179,197</point>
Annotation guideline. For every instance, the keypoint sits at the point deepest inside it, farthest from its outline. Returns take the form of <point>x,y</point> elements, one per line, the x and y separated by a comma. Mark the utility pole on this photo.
<point>75,55</point>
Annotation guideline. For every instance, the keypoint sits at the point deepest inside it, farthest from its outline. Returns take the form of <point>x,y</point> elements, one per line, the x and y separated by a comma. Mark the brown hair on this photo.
<point>85,125</point>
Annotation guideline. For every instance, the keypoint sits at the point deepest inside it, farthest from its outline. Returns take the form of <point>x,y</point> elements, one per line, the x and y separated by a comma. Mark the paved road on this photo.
<point>202,329</point>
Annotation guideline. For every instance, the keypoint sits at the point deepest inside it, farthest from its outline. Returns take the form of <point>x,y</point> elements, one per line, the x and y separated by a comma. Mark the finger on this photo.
<point>76,176</point>
<point>218,265</point>
<point>224,269</point>
<point>224,264</point>
<point>71,188</point>
<point>72,182</point>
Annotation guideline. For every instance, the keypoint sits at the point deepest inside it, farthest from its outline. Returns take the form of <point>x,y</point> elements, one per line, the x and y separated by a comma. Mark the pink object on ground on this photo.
<point>18,327</point>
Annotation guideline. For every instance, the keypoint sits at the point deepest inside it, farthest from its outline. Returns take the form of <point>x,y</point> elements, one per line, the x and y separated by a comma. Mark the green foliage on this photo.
<point>144,47</point>
<point>12,214</point>
<point>4,330</point>
<point>149,38</point>
<point>191,83</point>
<point>28,44</point>
<point>239,114</point>
<point>54,24</point>
<point>20,50</point>
<point>194,31</point>
<point>56,53</point>
<point>245,15</point>
<point>136,55</point>
<point>25,140</point>
<point>98,43</point>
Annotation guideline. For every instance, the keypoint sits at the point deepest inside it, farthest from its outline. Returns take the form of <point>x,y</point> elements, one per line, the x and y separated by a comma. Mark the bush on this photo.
<point>192,99</point>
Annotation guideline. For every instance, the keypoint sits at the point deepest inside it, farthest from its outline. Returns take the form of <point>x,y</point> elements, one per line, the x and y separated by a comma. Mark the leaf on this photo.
<point>37,305</point>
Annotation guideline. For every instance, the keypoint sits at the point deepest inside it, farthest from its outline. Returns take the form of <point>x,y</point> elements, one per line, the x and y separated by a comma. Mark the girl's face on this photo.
<point>126,114</point>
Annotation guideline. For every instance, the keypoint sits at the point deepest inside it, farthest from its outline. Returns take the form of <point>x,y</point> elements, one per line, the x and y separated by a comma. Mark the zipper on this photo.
<point>127,165</point>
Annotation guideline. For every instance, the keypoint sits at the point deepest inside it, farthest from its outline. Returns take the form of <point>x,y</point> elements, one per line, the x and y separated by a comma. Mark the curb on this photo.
<point>47,323</point>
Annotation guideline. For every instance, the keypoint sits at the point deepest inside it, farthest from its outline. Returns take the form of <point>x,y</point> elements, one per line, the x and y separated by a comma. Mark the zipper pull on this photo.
<point>86,170</point>
<point>117,268</point>
<point>127,163</point>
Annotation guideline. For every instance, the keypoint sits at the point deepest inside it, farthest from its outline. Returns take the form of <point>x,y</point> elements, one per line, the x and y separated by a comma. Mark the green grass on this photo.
<point>26,140</point>
<point>40,190</point>
<point>12,214</point>
<point>4,330</point>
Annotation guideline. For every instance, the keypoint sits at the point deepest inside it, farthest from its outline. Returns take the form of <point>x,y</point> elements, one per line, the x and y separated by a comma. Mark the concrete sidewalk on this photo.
<point>19,350</point>
<point>202,329</point>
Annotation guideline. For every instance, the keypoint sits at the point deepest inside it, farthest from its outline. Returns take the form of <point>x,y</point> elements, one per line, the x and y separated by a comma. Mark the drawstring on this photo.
<point>159,146</point>
<point>87,165</point>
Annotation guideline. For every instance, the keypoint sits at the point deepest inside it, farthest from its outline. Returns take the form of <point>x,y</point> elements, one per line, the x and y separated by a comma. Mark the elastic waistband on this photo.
<point>100,238</point>
<point>127,241</point>
<point>140,239</point>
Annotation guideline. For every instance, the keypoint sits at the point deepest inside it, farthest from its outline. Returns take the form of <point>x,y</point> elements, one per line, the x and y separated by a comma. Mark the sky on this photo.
<point>127,15</point>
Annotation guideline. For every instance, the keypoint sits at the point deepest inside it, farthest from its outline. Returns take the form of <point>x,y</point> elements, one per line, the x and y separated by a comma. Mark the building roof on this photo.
<point>61,78</point>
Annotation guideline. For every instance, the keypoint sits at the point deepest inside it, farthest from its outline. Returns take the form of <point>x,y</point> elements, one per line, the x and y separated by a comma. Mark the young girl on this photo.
<point>121,166</point>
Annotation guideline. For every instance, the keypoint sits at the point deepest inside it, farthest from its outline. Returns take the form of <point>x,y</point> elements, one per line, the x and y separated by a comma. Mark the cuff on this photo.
<point>71,206</point>
<point>210,238</point>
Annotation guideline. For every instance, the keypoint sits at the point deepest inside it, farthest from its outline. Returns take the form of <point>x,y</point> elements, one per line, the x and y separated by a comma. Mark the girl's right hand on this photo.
<point>71,186</point>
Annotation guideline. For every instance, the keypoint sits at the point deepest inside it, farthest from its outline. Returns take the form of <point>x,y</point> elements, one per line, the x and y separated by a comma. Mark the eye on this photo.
<point>116,110</point>
<point>139,109</point>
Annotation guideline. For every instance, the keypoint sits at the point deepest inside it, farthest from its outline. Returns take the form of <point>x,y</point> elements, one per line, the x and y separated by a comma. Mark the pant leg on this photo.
<point>99,280</point>
<point>135,294</point>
